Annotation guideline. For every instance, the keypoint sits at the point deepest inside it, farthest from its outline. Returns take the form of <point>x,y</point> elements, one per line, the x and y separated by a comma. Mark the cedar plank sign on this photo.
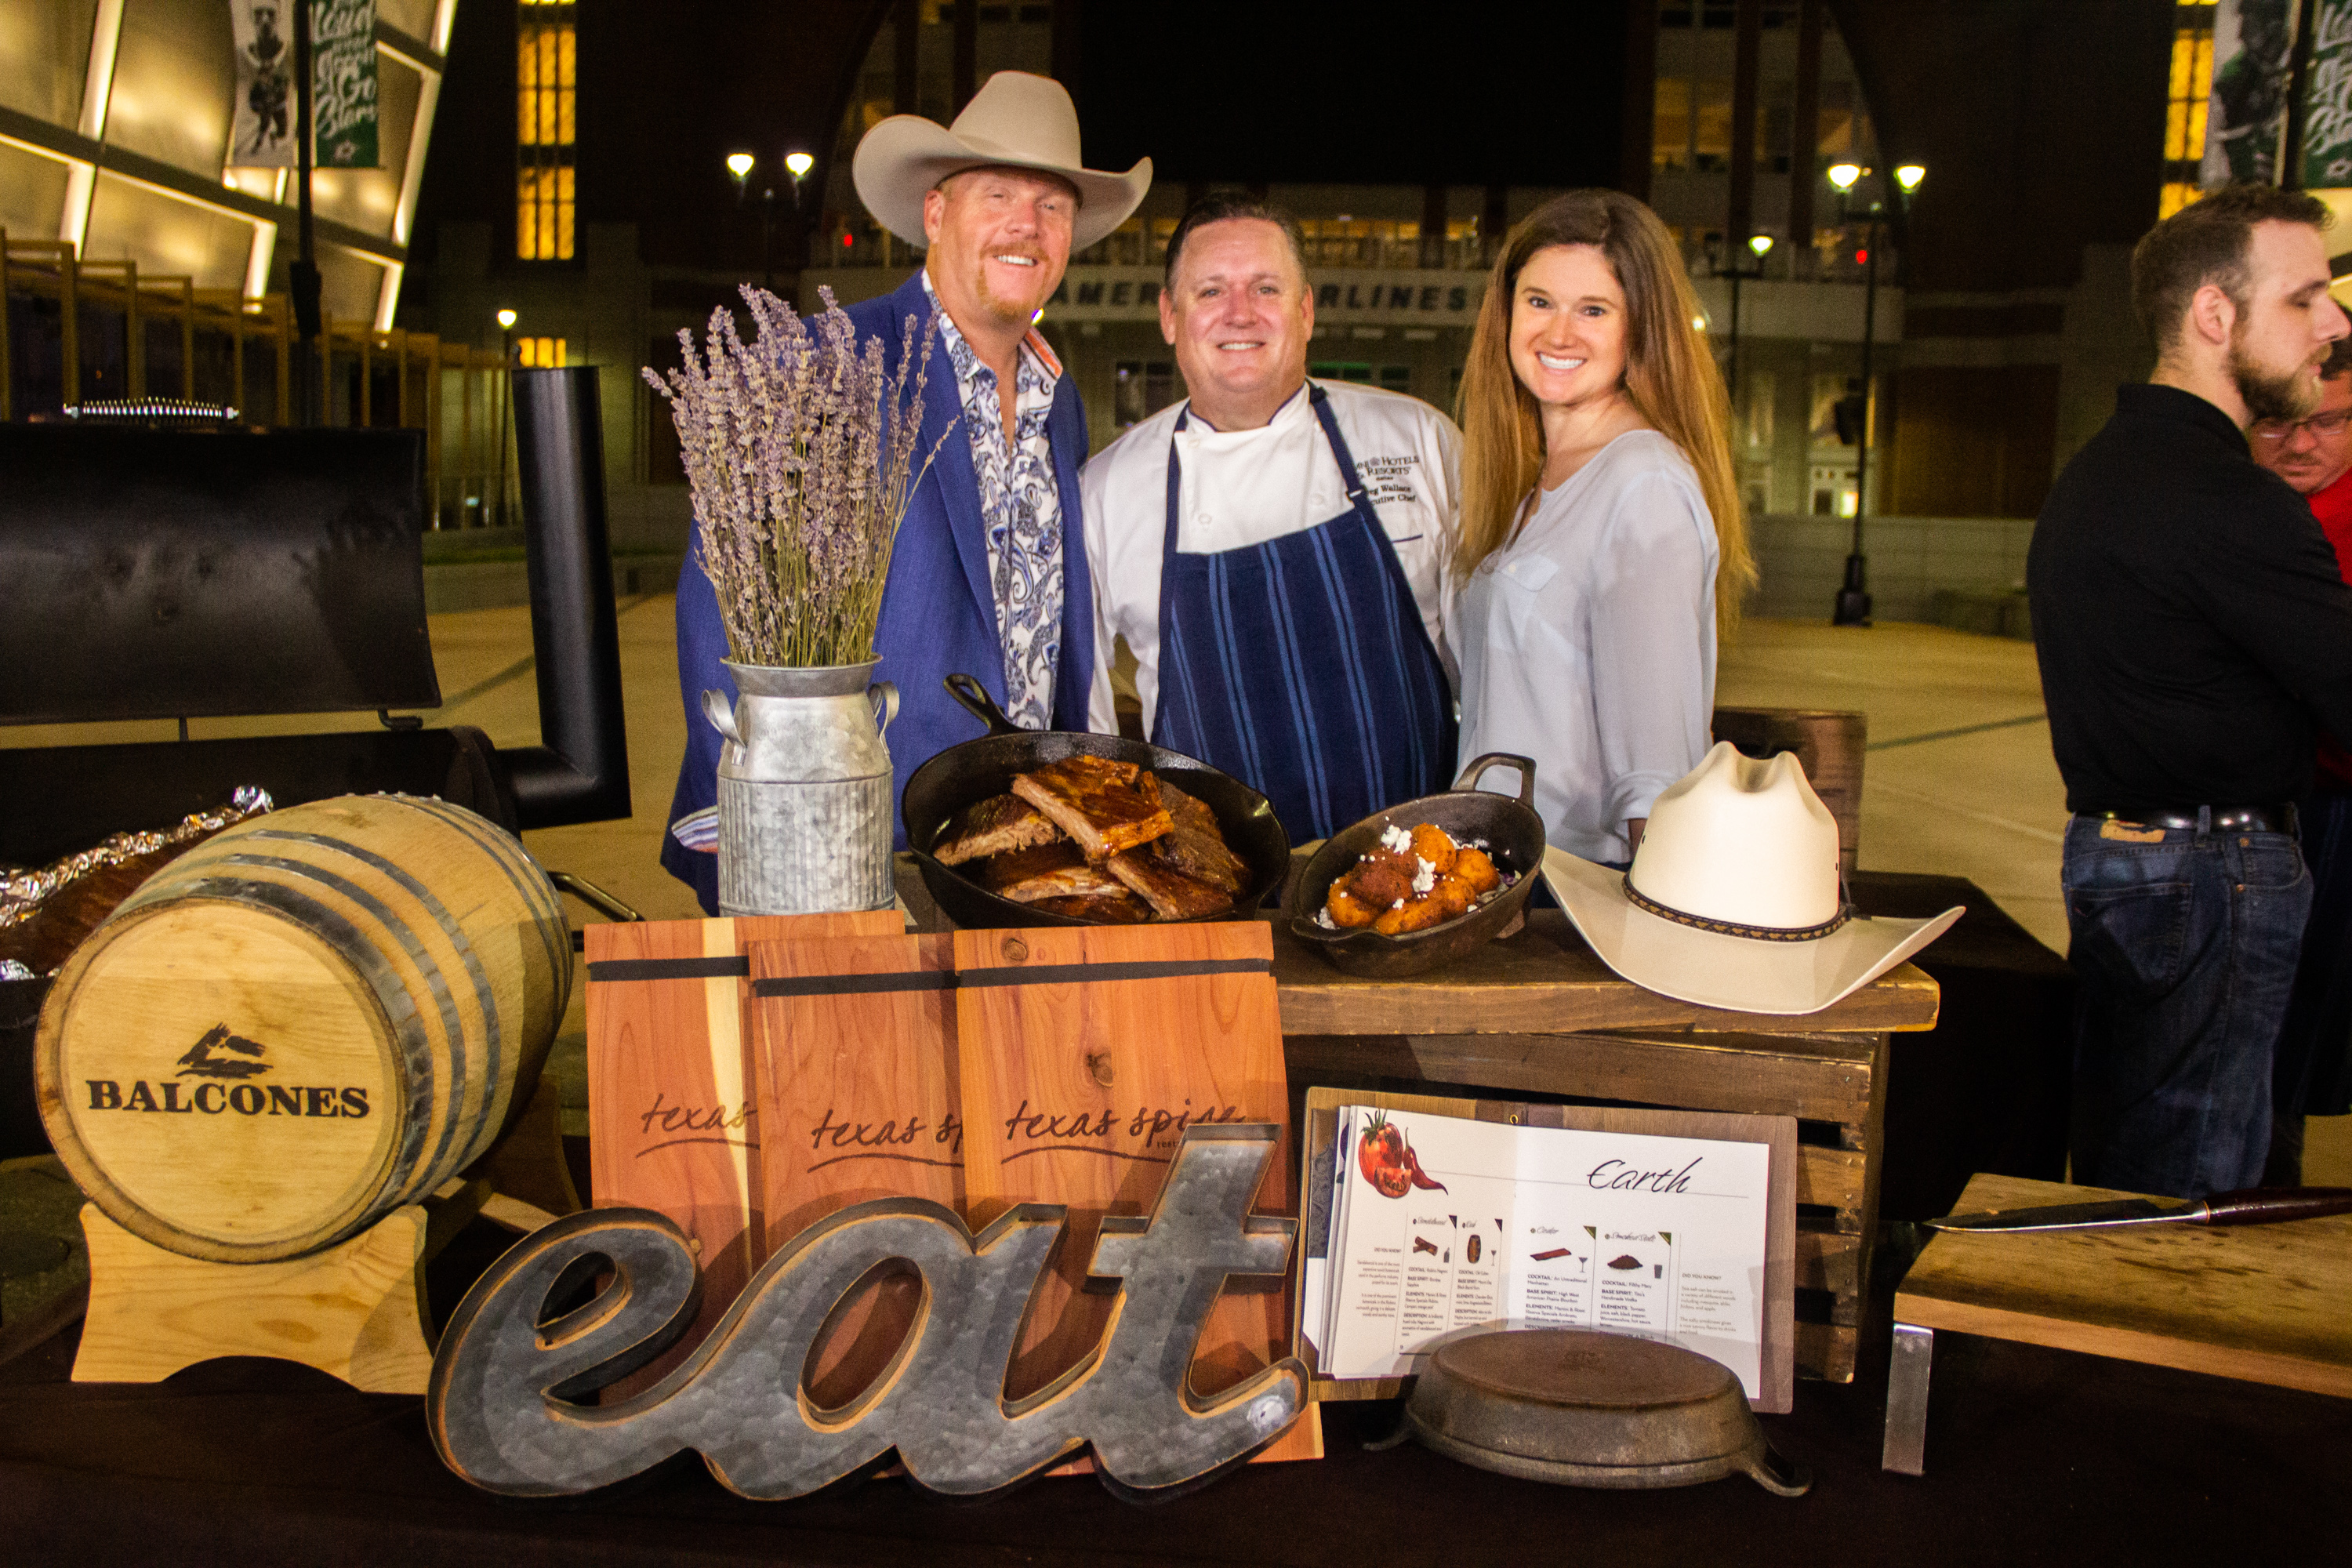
<point>855,1044</point>
<point>1086,1051</point>
<point>672,1118</point>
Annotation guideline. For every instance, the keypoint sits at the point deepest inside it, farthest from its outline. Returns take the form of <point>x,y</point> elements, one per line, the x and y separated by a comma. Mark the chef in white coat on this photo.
<point>1273,548</point>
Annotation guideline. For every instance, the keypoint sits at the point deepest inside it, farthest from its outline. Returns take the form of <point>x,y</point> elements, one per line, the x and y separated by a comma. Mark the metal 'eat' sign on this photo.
<point>501,1402</point>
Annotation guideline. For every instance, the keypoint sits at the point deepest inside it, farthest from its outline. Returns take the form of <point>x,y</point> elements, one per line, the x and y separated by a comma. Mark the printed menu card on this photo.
<point>1441,1224</point>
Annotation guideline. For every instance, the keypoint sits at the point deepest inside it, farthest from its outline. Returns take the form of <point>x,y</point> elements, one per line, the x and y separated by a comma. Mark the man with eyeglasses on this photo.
<point>2195,638</point>
<point>2312,1074</point>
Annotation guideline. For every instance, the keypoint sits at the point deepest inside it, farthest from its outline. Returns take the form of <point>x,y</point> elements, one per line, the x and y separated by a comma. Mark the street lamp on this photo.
<point>798,164</point>
<point>1853,606</point>
<point>1762,244</point>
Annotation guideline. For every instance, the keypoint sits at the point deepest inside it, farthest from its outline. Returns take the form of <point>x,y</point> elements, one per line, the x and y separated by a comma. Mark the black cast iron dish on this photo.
<point>1587,1409</point>
<point>1515,840</point>
<point>977,769</point>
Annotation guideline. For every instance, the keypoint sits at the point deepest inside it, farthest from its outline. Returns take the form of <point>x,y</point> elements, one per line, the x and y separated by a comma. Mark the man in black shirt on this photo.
<point>2193,634</point>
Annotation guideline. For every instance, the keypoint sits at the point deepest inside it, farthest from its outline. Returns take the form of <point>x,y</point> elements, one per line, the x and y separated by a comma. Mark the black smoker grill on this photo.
<point>158,574</point>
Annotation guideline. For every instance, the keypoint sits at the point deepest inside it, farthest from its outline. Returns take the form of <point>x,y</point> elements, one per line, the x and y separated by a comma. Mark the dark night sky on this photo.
<point>1478,91</point>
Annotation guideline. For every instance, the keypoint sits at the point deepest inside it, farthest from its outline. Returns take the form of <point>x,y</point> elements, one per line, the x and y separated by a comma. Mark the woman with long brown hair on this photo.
<point>1602,550</point>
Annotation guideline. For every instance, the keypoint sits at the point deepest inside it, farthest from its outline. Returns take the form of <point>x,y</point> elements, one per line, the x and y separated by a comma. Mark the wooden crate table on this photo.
<point>1539,1014</point>
<point>2264,1303</point>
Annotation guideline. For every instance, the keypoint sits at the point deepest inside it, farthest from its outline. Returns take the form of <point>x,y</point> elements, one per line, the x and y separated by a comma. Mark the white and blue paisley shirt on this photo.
<point>1021,507</point>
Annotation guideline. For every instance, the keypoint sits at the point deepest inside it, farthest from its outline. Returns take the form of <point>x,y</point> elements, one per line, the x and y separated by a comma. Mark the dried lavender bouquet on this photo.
<point>800,451</point>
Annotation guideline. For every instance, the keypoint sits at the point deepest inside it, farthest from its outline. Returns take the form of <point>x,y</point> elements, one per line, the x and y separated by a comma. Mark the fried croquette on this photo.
<point>1475,868</point>
<point>1418,915</point>
<point>1431,844</point>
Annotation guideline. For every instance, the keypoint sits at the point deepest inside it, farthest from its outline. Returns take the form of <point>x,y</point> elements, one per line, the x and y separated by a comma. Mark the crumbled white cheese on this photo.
<point>1425,877</point>
<point>1323,918</point>
<point>1395,837</point>
<point>1398,905</point>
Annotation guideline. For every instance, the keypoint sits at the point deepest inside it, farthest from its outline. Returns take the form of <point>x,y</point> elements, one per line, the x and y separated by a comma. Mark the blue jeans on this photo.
<point>2184,952</point>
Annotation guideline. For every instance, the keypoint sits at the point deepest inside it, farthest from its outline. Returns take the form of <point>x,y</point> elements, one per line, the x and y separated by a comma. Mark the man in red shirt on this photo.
<point>2312,1075</point>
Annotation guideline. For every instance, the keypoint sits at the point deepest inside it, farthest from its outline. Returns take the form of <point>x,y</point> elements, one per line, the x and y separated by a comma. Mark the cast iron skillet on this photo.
<point>975,770</point>
<point>1515,839</point>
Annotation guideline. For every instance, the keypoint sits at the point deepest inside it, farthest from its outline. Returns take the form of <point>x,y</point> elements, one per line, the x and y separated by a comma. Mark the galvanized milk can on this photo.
<point>804,810</point>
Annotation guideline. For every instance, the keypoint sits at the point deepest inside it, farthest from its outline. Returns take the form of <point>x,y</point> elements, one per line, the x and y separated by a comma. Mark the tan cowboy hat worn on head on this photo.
<point>1015,121</point>
<point>1734,897</point>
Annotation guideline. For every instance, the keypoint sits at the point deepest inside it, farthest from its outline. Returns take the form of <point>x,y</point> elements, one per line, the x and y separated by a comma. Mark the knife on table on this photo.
<point>2252,1205</point>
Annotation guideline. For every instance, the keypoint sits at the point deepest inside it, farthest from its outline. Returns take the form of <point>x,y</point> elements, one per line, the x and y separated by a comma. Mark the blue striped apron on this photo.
<point>1301,666</point>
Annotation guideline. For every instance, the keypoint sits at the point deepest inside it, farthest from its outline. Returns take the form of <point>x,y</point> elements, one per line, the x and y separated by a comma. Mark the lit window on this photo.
<point>1671,125</point>
<point>541,354</point>
<point>546,76</point>
<point>2189,91</point>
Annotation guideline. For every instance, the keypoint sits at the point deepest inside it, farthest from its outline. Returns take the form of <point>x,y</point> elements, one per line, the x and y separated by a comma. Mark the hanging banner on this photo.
<point>2327,99</point>
<point>261,131</point>
<point>342,84</point>
<point>2253,48</point>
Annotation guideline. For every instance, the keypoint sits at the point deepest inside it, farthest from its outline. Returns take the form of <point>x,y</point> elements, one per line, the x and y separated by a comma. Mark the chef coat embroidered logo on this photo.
<point>1390,479</point>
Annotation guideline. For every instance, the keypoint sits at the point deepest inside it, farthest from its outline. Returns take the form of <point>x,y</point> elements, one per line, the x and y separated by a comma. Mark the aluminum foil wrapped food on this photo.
<point>46,910</point>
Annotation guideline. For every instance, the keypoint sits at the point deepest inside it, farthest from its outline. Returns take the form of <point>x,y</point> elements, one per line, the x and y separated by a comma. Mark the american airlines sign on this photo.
<point>1390,296</point>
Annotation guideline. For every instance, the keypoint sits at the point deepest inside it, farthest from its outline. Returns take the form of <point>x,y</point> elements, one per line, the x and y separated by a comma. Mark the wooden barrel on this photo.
<point>305,1021</point>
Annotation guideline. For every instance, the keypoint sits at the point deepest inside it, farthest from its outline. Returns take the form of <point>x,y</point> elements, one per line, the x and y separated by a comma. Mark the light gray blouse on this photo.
<point>1588,642</point>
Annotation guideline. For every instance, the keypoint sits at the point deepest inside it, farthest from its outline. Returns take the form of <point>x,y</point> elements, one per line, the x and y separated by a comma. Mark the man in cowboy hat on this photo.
<point>989,576</point>
<point>1273,548</point>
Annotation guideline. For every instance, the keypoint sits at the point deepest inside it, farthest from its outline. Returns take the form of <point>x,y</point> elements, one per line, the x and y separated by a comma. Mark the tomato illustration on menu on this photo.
<point>1385,1157</point>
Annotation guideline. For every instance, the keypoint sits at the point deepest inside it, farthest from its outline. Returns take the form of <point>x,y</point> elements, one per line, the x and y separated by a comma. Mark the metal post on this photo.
<point>1731,371</point>
<point>502,404</point>
<point>134,335</point>
<point>766,231</point>
<point>69,325</point>
<point>302,277</point>
<point>1905,1450</point>
<point>1853,599</point>
<point>7,372</point>
<point>188,339</point>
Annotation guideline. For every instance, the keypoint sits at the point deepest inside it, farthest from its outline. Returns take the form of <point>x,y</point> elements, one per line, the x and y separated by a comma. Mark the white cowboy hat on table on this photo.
<point>1734,899</point>
<point>1015,121</point>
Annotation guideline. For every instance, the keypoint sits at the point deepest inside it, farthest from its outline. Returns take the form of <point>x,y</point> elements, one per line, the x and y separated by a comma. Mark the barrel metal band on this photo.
<point>504,851</point>
<point>437,983</point>
<point>390,994</point>
<point>497,1092</point>
<point>1733,928</point>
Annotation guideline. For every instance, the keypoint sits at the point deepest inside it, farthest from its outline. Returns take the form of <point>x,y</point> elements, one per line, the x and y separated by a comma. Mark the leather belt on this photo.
<point>2225,818</point>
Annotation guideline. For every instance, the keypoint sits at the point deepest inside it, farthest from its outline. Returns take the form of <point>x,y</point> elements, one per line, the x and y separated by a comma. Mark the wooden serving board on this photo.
<point>854,1040</point>
<point>2264,1303</point>
<point>672,1123</point>
<point>1084,1053</point>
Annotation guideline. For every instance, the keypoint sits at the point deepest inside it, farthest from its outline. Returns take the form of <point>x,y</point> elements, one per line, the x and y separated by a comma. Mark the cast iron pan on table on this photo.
<point>975,770</point>
<point>1514,835</point>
